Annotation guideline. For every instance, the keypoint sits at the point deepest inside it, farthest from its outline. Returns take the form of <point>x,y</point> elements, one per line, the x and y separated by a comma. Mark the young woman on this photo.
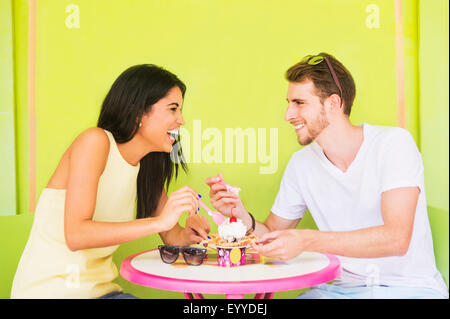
<point>88,206</point>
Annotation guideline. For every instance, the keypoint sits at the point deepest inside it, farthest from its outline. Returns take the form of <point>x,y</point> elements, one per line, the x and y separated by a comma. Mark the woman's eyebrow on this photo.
<point>174,103</point>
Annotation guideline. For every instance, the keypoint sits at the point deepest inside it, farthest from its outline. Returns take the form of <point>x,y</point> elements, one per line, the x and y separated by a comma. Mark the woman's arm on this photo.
<point>87,161</point>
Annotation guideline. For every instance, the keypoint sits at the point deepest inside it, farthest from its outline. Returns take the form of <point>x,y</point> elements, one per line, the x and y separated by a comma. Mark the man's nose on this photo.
<point>290,113</point>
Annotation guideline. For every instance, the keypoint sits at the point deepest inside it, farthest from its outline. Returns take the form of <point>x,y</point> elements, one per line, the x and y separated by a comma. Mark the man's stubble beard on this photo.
<point>316,127</point>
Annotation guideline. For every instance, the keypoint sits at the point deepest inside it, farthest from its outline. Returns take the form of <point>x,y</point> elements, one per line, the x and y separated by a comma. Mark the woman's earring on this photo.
<point>140,124</point>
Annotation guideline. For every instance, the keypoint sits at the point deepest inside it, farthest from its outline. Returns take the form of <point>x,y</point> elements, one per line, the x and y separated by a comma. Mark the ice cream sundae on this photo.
<point>231,243</point>
<point>232,233</point>
<point>232,230</point>
<point>231,240</point>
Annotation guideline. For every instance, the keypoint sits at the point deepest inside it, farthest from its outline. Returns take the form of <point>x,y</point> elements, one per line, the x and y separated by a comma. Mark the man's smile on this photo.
<point>298,127</point>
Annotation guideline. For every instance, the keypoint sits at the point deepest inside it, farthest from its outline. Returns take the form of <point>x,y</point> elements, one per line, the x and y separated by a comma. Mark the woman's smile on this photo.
<point>173,134</point>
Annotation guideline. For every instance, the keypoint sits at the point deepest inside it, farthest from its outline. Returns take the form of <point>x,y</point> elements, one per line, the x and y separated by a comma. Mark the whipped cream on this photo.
<point>232,231</point>
<point>233,189</point>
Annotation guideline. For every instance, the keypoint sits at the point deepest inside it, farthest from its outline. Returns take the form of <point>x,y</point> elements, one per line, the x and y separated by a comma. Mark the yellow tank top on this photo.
<point>47,268</point>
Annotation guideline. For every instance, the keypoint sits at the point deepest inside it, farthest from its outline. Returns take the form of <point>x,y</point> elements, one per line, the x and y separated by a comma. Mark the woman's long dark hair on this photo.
<point>130,97</point>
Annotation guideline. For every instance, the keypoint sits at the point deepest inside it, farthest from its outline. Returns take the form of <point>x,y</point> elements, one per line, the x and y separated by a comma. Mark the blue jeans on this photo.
<point>118,295</point>
<point>329,291</point>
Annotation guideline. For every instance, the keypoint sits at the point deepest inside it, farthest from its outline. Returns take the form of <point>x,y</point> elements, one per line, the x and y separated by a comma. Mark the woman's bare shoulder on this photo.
<point>90,147</point>
<point>91,142</point>
<point>93,137</point>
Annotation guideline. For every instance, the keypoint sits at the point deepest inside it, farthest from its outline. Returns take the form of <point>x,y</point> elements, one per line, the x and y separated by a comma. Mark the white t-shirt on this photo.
<point>338,201</point>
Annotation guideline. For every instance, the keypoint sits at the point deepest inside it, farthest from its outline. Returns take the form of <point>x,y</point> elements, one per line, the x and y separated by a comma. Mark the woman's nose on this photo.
<point>180,120</point>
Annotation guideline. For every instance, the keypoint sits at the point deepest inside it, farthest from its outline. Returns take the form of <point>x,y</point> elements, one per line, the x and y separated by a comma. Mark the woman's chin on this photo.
<point>167,148</point>
<point>163,149</point>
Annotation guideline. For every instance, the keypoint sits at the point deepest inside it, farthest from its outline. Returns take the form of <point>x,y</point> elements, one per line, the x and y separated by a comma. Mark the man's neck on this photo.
<point>340,142</point>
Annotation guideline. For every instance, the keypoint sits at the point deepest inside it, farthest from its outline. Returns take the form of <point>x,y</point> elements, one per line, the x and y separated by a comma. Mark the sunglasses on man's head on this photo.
<point>192,256</point>
<point>316,59</point>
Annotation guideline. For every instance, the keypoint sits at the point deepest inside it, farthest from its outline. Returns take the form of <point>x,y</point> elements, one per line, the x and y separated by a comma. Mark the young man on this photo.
<point>363,185</point>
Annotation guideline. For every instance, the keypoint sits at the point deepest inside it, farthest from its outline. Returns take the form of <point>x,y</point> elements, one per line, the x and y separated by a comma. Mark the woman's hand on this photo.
<point>183,200</point>
<point>197,228</point>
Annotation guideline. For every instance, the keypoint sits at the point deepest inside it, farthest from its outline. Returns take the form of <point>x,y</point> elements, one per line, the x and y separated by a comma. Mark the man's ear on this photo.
<point>334,103</point>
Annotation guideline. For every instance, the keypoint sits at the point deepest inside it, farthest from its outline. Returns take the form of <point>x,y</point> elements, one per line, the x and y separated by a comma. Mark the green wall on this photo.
<point>434,102</point>
<point>434,119</point>
<point>228,52</point>
<point>7,134</point>
<point>232,55</point>
<point>20,54</point>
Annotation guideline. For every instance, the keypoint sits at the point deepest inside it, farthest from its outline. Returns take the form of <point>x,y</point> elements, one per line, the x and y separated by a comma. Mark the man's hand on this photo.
<point>282,244</point>
<point>225,202</point>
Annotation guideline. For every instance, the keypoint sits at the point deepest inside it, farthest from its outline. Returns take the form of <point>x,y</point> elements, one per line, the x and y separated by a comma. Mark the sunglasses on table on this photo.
<point>316,59</point>
<point>192,256</point>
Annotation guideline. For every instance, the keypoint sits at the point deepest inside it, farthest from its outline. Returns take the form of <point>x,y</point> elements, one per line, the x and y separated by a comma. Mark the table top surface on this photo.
<point>258,275</point>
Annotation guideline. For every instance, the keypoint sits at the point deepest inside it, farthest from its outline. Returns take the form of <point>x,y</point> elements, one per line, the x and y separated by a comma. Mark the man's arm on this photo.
<point>272,223</point>
<point>398,208</point>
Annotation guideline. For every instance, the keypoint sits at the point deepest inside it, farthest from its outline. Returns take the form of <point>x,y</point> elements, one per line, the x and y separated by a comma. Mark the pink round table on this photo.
<point>262,276</point>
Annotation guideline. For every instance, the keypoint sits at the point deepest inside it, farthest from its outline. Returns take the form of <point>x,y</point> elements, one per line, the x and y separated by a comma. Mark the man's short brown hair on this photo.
<point>321,76</point>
